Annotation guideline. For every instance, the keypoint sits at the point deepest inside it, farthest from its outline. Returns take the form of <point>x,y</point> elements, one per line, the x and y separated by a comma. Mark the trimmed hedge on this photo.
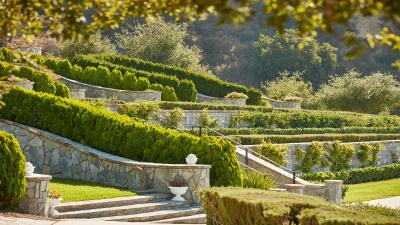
<point>258,139</point>
<point>62,90</point>
<point>201,106</point>
<point>357,175</point>
<point>313,119</point>
<point>12,167</point>
<point>120,135</point>
<point>293,131</point>
<point>204,83</point>
<point>239,206</point>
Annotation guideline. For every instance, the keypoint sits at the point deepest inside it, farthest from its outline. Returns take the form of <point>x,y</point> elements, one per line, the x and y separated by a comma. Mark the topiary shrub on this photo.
<point>273,152</point>
<point>63,67</point>
<point>186,91</point>
<point>42,81</point>
<point>102,76</point>
<point>90,74</point>
<point>76,72</point>
<point>144,111</point>
<point>236,95</point>
<point>142,84</point>
<point>168,94</point>
<point>12,167</point>
<point>129,81</point>
<point>156,87</point>
<point>62,90</point>
<point>116,79</point>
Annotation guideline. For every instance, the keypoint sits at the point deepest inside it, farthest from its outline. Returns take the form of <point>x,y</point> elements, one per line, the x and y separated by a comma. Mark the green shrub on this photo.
<point>357,175</point>
<point>102,129</point>
<point>140,111</point>
<point>313,156</point>
<point>204,83</point>
<point>339,155</point>
<point>238,206</point>
<point>288,85</point>
<point>236,95</point>
<point>273,152</point>
<point>258,139</point>
<point>157,87</point>
<point>76,72</point>
<point>116,79</point>
<point>201,106</point>
<point>7,54</point>
<point>186,91</point>
<point>88,74</point>
<point>368,154</point>
<point>102,77</point>
<point>143,84</point>
<point>173,118</point>
<point>205,120</point>
<point>62,90</point>
<point>63,67</point>
<point>168,94</point>
<point>130,81</point>
<point>42,81</point>
<point>12,167</point>
<point>252,179</point>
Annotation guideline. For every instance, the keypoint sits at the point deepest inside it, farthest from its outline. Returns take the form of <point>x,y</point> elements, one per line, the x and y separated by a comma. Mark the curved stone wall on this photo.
<point>61,157</point>
<point>93,91</point>
<point>221,101</point>
<point>283,104</point>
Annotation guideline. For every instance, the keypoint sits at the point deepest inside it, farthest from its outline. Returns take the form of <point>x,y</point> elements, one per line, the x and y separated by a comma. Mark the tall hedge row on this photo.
<point>239,206</point>
<point>12,171</point>
<point>118,134</point>
<point>204,83</point>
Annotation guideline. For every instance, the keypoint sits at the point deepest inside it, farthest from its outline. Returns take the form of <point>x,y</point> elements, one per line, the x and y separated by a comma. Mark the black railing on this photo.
<point>201,130</point>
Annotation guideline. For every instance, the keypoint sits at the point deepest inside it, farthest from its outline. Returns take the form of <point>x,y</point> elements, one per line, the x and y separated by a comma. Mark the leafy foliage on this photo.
<point>273,152</point>
<point>168,94</point>
<point>173,118</point>
<point>236,95</point>
<point>253,179</point>
<point>84,123</point>
<point>368,154</point>
<point>12,165</point>
<point>206,120</point>
<point>62,90</point>
<point>288,85</point>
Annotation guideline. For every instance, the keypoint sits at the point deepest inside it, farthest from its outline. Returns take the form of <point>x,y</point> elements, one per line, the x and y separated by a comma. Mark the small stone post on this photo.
<point>334,191</point>
<point>295,188</point>
<point>35,200</point>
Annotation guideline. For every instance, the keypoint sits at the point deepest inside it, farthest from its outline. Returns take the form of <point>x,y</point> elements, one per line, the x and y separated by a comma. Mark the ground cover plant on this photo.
<point>84,123</point>
<point>237,206</point>
<point>372,190</point>
<point>12,167</point>
<point>74,190</point>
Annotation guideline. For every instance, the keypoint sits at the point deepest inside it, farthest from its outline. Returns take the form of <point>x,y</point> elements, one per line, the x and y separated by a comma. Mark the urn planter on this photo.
<point>178,192</point>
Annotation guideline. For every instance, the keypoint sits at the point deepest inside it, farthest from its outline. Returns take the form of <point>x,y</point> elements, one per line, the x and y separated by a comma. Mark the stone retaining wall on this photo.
<point>384,157</point>
<point>35,200</point>
<point>61,157</point>
<point>283,104</point>
<point>93,91</point>
<point>25,84</point>
<point>220,101</point>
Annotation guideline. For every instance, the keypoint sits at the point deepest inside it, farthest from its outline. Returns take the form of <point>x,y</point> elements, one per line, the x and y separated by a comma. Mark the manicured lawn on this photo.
<point>72,190</point>
<point>373,190</point>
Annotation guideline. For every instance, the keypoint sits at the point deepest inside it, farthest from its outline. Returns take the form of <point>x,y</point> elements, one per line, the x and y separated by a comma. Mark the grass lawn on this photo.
<point>72,190</point>
<point>373,190</point>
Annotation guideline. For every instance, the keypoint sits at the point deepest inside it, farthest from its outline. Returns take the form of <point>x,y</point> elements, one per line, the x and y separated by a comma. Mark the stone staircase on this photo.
<point>155,208</point>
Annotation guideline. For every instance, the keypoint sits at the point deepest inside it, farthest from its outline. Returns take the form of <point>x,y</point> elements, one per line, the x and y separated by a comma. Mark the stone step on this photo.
<point>156,215</point>
<point>107,203</point>
<point>193,219</point>
<point>122,210</point>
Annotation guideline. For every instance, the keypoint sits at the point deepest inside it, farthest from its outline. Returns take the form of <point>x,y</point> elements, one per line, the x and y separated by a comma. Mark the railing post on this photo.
<point>247,156</point>
<point>200,131</point>
<point>294,177</point>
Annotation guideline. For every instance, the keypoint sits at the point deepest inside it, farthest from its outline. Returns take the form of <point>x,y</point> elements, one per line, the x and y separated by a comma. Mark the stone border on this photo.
<point>224,101</point>
<point>93,91</point>
<point>282,104</point>
<point>24,84</point>
<point>61,157</point>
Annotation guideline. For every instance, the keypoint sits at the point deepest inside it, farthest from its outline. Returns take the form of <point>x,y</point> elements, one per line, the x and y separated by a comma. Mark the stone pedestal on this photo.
<point>37,190</point>
<point>295,188</point>
<point>334,191</point>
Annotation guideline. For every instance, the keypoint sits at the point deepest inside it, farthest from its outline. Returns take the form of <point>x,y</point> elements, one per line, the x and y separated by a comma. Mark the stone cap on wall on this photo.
<point>103,88</point>
<point>102,155</point>
<point>38,177</point>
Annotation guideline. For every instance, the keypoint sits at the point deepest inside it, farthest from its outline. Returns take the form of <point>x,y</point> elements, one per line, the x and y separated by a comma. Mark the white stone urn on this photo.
<point>178,192</point>
<point>29,169</point>
<point>191,159</point>
<point>53,203</point>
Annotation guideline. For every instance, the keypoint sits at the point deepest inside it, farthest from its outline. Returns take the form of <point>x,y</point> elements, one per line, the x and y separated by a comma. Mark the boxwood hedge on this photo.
<point>239,206</point>
<point>118,134</point>
<point>204,83</point>
<point>12,167</point>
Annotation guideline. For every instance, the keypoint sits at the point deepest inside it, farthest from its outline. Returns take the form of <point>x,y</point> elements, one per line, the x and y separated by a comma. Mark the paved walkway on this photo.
<point>393,202</point>
<point>25,221</point>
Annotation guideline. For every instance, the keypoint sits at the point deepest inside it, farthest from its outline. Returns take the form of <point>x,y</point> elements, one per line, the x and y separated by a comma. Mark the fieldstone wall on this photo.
<point>191,117</point>
<point>61,157</point>
<point>35,200</point>
<point>283,104</point>
<point>391,147</point>
<point>93,91</point>
<point>25,84</point>
<point>220,101</point>
<point>78,93</point>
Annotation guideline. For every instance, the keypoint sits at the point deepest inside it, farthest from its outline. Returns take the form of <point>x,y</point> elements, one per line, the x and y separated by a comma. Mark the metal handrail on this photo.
<point>249,150</point>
